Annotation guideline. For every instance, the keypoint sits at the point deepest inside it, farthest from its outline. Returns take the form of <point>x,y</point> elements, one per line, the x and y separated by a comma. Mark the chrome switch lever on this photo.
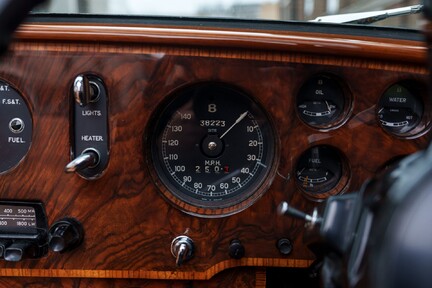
<point>88,159</point>
<point>182,248</point>
<point>85,90</point>
<point>181,254</point>
<point>285,209</point>
<point>81,90</point>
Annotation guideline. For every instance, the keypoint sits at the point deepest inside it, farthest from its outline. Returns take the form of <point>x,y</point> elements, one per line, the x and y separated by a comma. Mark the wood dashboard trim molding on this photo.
<point>323,44</point>
<point>274,56</point>
<point>157,275</point>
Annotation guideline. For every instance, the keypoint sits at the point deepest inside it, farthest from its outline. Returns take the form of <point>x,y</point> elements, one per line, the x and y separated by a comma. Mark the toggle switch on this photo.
<point>88,159</point>
<point>85,91</point>
<point>182,248</point>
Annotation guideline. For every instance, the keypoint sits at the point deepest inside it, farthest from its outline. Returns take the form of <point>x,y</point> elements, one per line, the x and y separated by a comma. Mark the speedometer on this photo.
<point>213,148</point>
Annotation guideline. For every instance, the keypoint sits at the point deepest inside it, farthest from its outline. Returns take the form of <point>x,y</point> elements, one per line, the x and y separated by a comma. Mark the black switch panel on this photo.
<point>89,129</point>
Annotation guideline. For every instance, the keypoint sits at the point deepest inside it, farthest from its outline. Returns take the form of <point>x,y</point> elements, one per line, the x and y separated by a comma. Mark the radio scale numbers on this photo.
<point>17,216</point>
<point>213,148</point>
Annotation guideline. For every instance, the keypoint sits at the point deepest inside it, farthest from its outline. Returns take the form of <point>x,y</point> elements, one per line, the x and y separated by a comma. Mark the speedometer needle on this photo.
<point>240,118</point>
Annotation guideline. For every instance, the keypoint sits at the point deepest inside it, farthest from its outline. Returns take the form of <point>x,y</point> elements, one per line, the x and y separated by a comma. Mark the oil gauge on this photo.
<point>400,110</point>
<point>321,172</point>
<point>321,102</point>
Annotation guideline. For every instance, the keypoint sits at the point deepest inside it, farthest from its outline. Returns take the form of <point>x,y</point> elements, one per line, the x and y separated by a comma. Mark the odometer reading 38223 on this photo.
<point>213,147</point>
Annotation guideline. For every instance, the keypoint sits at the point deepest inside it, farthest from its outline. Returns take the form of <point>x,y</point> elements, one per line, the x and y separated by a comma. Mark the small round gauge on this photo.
<point>319,170</point>
<point>321,102</point>
<point>213,148</point>
<point>399,109</point>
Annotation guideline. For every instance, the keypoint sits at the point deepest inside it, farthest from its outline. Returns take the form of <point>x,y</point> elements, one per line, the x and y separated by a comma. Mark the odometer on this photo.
<point>213,148</point>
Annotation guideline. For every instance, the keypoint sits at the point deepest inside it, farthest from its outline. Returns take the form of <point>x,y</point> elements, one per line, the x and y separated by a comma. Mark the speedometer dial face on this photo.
<point>213,148</point>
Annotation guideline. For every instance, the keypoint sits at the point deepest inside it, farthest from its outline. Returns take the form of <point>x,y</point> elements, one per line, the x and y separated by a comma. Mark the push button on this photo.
<point>16,125</point>
<point>18,251</point>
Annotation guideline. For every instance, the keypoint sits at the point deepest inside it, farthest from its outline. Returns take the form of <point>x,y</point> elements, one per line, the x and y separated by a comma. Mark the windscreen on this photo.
<point>297,10</point>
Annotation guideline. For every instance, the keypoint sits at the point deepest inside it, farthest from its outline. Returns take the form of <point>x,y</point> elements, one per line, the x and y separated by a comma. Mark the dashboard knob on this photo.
<point>88,159</point>
<point>65,235</point>
<point>236,249</point>
<point>284,246</point>
<point>182,248</point>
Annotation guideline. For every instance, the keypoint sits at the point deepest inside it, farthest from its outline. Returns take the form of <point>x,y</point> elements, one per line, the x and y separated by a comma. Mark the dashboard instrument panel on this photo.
<point>208,131</point>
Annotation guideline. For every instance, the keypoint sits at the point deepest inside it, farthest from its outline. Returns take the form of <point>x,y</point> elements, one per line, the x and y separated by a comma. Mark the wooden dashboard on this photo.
<point>128,223</point>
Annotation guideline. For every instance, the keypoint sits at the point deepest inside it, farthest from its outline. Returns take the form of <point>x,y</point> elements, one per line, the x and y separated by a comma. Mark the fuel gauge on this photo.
<point>322,102</point>
<point>319,170</point>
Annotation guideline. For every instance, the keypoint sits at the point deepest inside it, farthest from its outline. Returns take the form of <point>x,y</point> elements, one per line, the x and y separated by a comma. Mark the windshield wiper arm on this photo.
<point>369,17</point>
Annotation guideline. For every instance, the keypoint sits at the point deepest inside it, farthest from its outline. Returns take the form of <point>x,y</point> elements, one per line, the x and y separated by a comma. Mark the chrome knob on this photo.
<point>88,159</point>
<point>182,248</point>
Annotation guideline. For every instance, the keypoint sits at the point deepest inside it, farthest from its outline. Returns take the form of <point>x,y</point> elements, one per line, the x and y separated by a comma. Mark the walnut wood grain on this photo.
<point>128,225</point>
<point>220,53</point>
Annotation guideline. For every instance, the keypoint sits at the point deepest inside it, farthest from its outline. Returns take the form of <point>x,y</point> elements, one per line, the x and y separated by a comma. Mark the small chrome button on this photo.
<point>16,125</point>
